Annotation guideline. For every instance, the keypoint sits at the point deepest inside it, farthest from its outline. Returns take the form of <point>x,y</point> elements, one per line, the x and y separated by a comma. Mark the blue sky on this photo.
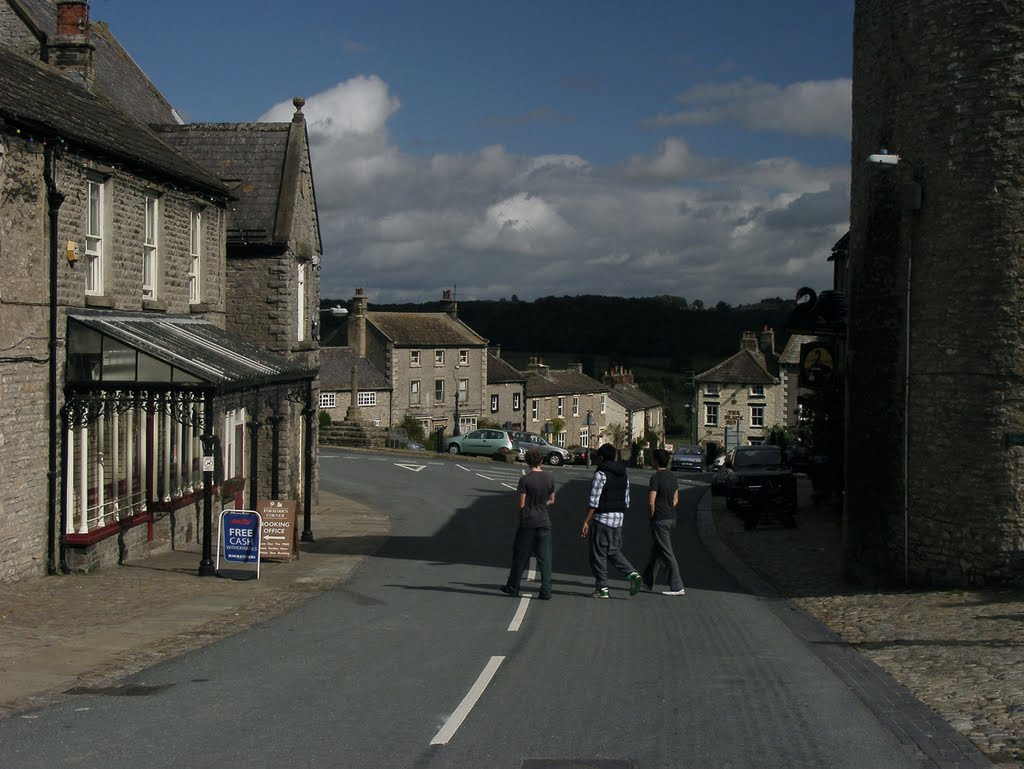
<point>692,148</point>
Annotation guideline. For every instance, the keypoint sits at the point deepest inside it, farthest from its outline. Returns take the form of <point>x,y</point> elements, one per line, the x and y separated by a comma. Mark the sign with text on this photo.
<point>279,527</point>
<point>239,542</point>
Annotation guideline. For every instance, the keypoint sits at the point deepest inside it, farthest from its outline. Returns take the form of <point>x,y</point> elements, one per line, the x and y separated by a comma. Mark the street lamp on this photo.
<point>456,430</point>
<point>590,423</point>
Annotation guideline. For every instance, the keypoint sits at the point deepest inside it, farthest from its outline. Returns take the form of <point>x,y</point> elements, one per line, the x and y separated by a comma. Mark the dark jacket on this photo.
<point>613,495</point>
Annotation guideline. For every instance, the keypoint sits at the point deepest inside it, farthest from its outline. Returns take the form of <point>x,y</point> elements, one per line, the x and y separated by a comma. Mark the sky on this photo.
<point>538,148</point>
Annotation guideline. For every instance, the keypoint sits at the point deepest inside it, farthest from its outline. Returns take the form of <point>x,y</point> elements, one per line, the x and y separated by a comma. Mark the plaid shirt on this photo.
<point>614,520</point>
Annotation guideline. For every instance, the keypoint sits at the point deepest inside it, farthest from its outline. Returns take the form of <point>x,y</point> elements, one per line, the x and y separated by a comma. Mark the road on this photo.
<point>419,662</point>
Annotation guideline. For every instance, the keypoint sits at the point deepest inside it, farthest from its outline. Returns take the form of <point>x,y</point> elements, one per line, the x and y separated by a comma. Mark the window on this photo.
<point>757,391</point>
<point>467,423</point>
<point>561,406</point>
<point>575,405</point>
<point>366,398</point>
<point>756,441</point>
<point>149,252</point>
<point>94,238</point>
<point>757,416</point>
<point>463,357</point>
<point>711,389</point>
<point>585,437</point>
<point>438,357</point>
<point>516,401</point>
<point>438,391</point>
<point>463,390</point>
<point>603,403</point>
<point>414,357</point>
<point>533,409</point>
<point>560,439</point>
<point>711,414</point>
<point>328,400</point>
<point>300,297</point>
<point>494,403</point>
<point>195,256</point>
<point>414,392</point>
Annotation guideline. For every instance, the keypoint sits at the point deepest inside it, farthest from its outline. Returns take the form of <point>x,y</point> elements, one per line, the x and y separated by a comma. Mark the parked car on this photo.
<point>688,458</point>
<point>580,455</point>
<point>485,442</point>
<point>760,485</point>
<point>553,455</point>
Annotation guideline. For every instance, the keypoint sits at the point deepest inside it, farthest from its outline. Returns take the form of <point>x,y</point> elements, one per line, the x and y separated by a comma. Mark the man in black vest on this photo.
<point>609,501</point>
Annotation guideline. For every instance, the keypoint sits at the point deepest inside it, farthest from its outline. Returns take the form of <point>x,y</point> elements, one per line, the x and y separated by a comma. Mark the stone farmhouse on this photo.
<point>570,395</point>
<point>121,343</point>
<point>740,399</point>
<point>642,415</point>
<point>506,388</point>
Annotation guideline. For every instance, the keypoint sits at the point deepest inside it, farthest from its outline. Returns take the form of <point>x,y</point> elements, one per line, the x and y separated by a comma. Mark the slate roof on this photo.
<point>39,99</point>
<point>633,398</point>
<point>250,158</point>
<point>745,367</point>
<point>117,76</point>
<point>791,354</point>
<point>425,329</point>
<point>336,371</point>
<point>561,382</point>
<point>498,371</point>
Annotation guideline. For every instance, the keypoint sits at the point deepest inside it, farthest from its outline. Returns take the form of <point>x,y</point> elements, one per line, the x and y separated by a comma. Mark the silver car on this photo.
<point>553,455</point>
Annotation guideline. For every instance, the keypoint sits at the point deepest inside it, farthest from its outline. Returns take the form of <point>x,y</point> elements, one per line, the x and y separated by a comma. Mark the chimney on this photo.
<point>767,341</point>
<point>71,50</point>
<point>448,303</point>
<point>578,367</point>
<point>537,364</point>
<point>619,375</point>
<point>496,351</point>
<point>357,340</point>
<point>749,341</point>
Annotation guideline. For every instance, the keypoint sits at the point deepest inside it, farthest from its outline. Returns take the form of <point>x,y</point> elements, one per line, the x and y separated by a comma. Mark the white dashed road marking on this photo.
<point>517,620</point>
<point>455,719</point>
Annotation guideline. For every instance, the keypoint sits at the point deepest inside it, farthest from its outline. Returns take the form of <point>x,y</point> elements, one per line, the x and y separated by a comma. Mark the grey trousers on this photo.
<point>606,545</point>
<point>662,556</point>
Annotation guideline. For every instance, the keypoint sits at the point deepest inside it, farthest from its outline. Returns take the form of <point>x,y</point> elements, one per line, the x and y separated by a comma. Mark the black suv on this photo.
<point>553,455</point>
<point>761,485</point>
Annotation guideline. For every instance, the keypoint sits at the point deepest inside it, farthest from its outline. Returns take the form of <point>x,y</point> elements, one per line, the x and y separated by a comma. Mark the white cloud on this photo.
<point>671,221</point>
<point>809,108</point>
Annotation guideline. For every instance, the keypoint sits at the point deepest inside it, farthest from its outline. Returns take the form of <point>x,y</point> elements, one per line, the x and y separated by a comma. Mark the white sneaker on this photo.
<point>680,591</point>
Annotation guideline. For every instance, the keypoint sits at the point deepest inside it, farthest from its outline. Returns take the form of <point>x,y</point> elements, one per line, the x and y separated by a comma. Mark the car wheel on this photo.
<point>454,449</point>
<point>554,459</point>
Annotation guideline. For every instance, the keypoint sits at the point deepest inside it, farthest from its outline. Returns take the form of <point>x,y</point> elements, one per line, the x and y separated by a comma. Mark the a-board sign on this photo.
<point>239,542</point>
<point>279,529</point>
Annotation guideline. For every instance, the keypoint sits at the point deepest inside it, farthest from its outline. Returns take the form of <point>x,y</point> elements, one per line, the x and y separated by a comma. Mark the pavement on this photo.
<point>943,668</point>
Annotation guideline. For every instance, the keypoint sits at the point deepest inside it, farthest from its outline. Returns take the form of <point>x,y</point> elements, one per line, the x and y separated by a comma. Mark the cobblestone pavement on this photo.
<point>960,652</point>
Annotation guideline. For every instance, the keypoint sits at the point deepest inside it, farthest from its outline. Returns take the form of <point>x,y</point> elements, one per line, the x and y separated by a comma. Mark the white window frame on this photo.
<point>414,392</point>
<point>711,414</point>
<point>517,401</point>
<point>366,398</point>
<point>561,406</point>
<point>534,408</point>
<point>438,357</point>
<point>414,357</point>
<point>95,229</point>
<point>150,248</point>
<point>463,357</point>
<point>494,403</point>
<point>575,405</point>
<point>560,439</point>
<point>438,391</point>
<point>463,391</point>
<point>328,400</point>
<point>585,437</point>
<point>300,301</point>
<point>757,391</point>
<point>604,403</point>
<point>757,415</point>
<point>712,389</point>
<point>195,256</point>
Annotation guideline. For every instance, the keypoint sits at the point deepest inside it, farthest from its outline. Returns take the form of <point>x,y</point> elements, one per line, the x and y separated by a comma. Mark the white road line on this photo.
<point>517,620</point>
<point>455,719</point>
<point>509,486</point>
<point>485,477</point>
<point>464,468</point>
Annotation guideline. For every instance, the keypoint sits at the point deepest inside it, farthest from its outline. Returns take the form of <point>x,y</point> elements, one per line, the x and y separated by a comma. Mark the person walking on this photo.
<point>536,492</point>
<point>608,503</point>
<point>662,499</point>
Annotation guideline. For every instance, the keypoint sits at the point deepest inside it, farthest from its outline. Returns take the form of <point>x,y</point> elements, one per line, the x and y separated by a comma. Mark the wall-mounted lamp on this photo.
<point>884,157</point>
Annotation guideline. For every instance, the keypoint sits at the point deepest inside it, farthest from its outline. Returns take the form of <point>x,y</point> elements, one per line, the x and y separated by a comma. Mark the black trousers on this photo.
<point>662,556</point>
<point>536,542</point>
<point>605,546</point>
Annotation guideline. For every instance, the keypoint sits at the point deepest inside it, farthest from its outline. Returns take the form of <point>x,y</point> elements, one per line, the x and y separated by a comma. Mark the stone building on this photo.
<point>642,415</point>
<point>505,388</point>
<point>373,391</point>
<point>935,438</point>
<point>580,401</point>
<point>115,299</point>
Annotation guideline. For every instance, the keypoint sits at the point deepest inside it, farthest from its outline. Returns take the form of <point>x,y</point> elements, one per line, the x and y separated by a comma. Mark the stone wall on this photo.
<point>938,82</point>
